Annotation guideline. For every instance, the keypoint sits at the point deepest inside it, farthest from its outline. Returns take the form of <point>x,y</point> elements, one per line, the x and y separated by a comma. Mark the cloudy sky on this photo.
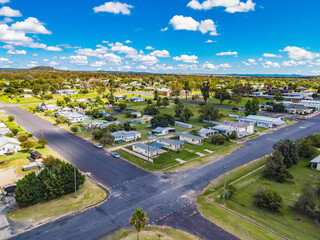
<point>192,36</point>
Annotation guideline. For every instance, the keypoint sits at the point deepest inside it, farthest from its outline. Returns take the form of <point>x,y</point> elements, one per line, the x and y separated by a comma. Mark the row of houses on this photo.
<point>155,148</point>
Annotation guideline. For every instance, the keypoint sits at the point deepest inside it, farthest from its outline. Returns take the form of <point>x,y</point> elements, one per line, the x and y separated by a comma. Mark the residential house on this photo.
<point>294,108</point>
<point>192,139</point>
<point>66,92</point>
<point>227,127</point>
<point>138,121</point>
<point>126,136</point>
<point>4,129</point>
<point>182,124</point>
<point>261,121</point>
<point>137,99</point>
<point>315,163</point>
<point>93,123</point>
<point>48,107</point>
<point>136,114</point>
<point>9,145</point>
<point>206,132</point>
<point>163,130</point>
<point>146,150</point>
<point>175,145</point>
<point>164,91</point>
<point>119,97</point>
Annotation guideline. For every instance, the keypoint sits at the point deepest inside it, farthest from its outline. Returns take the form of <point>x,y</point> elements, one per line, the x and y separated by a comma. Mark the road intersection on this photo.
<point>167,198</point>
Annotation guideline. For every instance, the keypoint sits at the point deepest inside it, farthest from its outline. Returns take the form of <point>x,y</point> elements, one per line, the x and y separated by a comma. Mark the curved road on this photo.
<point>168,198</point>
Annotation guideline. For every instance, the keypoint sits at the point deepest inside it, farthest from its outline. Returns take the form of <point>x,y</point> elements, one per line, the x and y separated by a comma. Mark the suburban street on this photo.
<point>168,199</point>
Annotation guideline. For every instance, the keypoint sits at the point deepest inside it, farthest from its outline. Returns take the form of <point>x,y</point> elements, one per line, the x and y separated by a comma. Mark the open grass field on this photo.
<point>287,225</point>
<point>87,195</point>
<point>228,103</point>
<point>152,233</point>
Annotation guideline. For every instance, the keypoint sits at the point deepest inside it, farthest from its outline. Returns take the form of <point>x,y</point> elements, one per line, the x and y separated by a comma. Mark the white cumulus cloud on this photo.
<point>269,64</point>
<point>162,53</point>
<point>230,6</point>
<point>79,60</point>
<point>9,12</point>
<point>227,53</point>
<point>17,52</point>
<point>30,25</point>
<point>298,53</point>
<point>186,58</point>
<point>114,7</point>
<point>271,55</point>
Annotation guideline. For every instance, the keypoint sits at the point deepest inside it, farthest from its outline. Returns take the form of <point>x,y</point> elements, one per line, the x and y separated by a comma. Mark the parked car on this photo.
<point>116,155</point>
<point>98,145</point>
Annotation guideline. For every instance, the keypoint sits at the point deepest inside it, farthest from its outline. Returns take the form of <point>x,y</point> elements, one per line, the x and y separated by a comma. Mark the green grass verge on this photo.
<point>152,233</point>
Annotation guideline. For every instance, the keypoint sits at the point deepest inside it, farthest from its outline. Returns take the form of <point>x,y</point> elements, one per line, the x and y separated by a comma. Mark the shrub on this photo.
<point>231,190</point>
<point>307,201</point>
<point>22,138</point>
<point>10,135</point>
<point>15,131</point>
<point>11,118</point>
<point>219,139</point>
<point>269,200</point>
<point>74,129</point>
<point>233,135</point>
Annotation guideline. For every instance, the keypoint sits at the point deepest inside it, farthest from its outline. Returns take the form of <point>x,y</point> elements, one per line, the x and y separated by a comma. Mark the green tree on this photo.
<point>288,151</point>
<point>269,199</point>
<point>222,94</point>
<point>188,85</point>
<point>279,97</point>
<point>42,142</point>
<point>162,121</point>
<point>156,94</point>
<point>236,98</point>
<point>165,102</point>
<point>219,139</point>
<point>252,107</point>
<point>234,135</point>
<point>209,112</point>
<point>28,144</point>
<point>186,115</point>
<point>138,220</point>
<point>151,110</point>
<point>305,149</point>
<point>276,169</point>
<point>205,88</point>
<point>307,201</point>
<point>107,139</point>
<point>15,131</point>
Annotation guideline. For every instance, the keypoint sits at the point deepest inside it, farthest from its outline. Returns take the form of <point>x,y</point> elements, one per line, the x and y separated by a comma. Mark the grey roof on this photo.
<point>145,147</point>
<point>187,135</point>
<point>171,141</point>
<point>315,160</point>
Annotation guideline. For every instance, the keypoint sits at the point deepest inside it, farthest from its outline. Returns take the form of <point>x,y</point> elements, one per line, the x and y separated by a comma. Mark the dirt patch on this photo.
<point>8,176</point>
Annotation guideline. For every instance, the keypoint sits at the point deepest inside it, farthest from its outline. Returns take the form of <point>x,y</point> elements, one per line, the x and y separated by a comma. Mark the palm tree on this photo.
<point>138,219</point>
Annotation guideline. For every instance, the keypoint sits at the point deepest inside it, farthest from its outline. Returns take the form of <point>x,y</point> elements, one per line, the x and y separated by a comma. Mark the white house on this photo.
<point>145,150</point>
<point>172,144</point>
<point>4,129</point>
<point>137,99</point>
<point>66,92</point>
<point>137,114</point>
<point>9,145</point>
<point>146,118</point>
<point>195,140</point>
<point>206,132</point>
<point>315,163</point>
<point>126,136</point>
<point>227,127</point>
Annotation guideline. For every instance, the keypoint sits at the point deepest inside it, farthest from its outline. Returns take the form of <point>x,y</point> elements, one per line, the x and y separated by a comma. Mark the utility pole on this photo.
<point>225,183</point>
<point>75,183</point>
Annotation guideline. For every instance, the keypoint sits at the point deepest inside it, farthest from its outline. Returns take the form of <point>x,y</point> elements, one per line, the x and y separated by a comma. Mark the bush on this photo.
<point>269,200</point>
<point>74,129</point>
<point>219,139</point>
<point>9,135</point>
<point>11,118</point>
<point>233,135</point>
<point>22,138</point>
<point>53,181</point>
<point>15,131</point>
<point>231,190</point>
<point>307,201</point>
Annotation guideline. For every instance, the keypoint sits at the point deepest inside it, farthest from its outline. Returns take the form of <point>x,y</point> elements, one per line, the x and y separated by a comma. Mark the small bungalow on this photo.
<point>227,127</point>
<point>4,129</point>
<point>182,124</point>
<point>175,145</point>
<point>137,99</point>
<point>146,150</point>
<point>315,163</point>
<point>261,121</point>
<point>135,114</point>
<point>206,132</point>
<point>163,131</point>
<point>195,140</point>
<point>9,145</point>
<point>126,136</point>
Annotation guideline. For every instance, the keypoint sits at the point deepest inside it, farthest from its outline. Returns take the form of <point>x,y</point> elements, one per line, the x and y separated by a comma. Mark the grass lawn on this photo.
<point>152,233</point>
<point>228,103</point>
<point>21,100</point>
<point>286,225</point>
<point>224,150</point>
<point>88,194</point>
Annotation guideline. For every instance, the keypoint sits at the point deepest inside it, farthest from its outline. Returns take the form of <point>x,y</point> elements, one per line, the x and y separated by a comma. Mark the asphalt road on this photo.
<point>165,197</point>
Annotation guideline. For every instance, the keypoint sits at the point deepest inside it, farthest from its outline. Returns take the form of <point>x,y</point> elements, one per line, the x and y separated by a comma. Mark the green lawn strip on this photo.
<point>286,225</point>
<point>199,161</point>
<point>231,223</point>
<point>152,233</point>
<point>87,195</point>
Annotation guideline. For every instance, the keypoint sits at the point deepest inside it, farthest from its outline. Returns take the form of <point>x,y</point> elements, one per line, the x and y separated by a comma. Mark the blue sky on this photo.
<point>181,36</point>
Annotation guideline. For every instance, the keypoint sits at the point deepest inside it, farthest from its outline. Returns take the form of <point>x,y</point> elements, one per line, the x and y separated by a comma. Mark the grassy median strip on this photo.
<point>87,195</point>
<point>152,232</point>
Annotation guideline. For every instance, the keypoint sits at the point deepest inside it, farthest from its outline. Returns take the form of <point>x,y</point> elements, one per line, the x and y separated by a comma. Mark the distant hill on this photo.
<point>42,68</point>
